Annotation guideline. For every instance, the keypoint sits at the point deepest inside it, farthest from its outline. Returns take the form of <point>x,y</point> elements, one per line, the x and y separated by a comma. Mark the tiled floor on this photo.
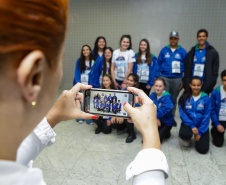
<point>81,157</point>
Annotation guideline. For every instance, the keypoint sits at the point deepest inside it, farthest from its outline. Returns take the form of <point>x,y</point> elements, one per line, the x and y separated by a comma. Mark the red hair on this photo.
<point>27,25</point>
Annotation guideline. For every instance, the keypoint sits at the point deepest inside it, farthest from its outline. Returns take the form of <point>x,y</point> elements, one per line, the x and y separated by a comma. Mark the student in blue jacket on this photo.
<point>119,106</point>
<point>114,107</point>
<point>110,98</point>
<point>99,47</point>
<point>164,103</point>
<point>145,66</point>
<point>194,109</point>
<point>218,112</point>
<point>87,70</point>
<point>171,66</point>
<point>114,98</point>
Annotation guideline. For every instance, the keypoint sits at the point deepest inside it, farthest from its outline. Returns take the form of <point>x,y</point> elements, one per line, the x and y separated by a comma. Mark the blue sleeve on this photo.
<point>97,67</point>
<point>152,72</point>
<point>183,59</point>
<point>159,63</point>
<point>135,68</point>
<point>206,117</point>
<point>185,118</point>
<point>77,77</point>
<point>167,105</point>
<point>214,114</point>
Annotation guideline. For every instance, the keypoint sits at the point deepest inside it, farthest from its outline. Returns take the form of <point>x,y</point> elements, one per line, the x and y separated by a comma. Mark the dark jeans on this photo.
<point>143,87</point>
<point>164,132</point>
<point>218,138</point>
<point>202,145</point>
<point>120,83</point>
<point>130,127</point>
<point>102,123</point>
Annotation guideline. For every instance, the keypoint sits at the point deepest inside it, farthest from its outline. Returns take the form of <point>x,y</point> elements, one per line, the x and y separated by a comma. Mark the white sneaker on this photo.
<point>81,121</point>
<point>186,143</point>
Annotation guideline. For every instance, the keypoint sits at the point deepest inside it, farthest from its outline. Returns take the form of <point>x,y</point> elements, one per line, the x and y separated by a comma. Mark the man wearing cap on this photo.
<point>171,66</point>
<point>203,61</point>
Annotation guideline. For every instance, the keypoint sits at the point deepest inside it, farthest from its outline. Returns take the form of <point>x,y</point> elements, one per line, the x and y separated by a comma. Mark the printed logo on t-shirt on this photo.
<point>177,56</point>
<point>188,106</point>
<point>167,55</point>
<point>121,58</point>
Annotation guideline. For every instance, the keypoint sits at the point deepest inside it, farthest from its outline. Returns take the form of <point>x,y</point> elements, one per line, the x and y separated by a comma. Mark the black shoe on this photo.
<point>98,130</point>
<point>167,136</point>
<point>130,138</point>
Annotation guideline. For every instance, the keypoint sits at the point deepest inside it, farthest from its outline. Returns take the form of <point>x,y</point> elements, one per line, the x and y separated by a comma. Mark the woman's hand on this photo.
<point>68,106</point>
<point>123,86</point>
<point>195,131</point>
<point>117,85</point>
<point>148,87</point>
<point>144,118</point>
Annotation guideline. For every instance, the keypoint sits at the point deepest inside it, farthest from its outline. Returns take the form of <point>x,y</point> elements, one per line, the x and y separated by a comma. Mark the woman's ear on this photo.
<point>30,75</point>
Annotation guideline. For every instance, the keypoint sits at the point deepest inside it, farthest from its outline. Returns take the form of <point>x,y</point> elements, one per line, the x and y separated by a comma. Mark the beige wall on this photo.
<point>151,19</point>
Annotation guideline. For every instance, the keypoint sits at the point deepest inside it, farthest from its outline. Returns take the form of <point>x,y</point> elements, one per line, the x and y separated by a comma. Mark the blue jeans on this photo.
<point>119,82</point>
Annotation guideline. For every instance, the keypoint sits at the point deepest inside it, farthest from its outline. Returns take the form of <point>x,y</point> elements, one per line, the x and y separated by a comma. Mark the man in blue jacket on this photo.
<point>171,66</point>
<point>218,112</point>
<point>203,61</point>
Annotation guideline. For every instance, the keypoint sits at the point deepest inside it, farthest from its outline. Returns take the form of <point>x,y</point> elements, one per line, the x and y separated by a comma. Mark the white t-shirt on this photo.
<point>196,98</point>
<point>222,112</point>
<point>121,60</point>
<point>85,75</point>
<point>143,70</point>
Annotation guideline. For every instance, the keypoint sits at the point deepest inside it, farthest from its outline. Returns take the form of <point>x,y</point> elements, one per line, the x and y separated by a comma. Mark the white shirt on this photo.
<point>121,61</point>
<point>149,167</point>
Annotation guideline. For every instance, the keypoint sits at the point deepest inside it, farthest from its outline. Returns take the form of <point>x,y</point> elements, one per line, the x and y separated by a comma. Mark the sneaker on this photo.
<point>98,130</point>
<point>80,120</point>
<point>90,121</point>
<point>130,138</point>
<point>186,143</point>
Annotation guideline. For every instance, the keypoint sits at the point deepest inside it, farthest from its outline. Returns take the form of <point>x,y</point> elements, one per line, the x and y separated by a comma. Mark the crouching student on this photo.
<point>194,109</point>
<point>164,103</point>
<point>103,122</point>
<point>218,112</point>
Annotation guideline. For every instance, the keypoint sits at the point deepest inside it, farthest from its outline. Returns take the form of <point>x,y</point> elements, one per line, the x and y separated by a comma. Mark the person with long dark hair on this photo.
<point>103,123</point>
<point>99,47</point>
<point>218,112</point>
<point>194,110</point>
<point>122,62</point>
<point>164,103</point>
<point>132,81</point>
<point>107,60</point>
<point>87,71</point>
<point>145,66</point>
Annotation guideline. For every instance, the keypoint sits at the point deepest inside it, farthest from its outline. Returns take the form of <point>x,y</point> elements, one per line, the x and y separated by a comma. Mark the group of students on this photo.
<point>196,71</point>
<point>106,104</point>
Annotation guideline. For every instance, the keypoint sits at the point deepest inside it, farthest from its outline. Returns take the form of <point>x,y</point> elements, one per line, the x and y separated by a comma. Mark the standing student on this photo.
<point>132,81</point>
<point>122,62</point>
<point>194,109</point>
<point>218,112</point>
<point>114,98</point>
<point>164,103</point>
<point>87,70</point>
<point>103,122</point>
<point>107,60</point>
<point>171,66</point>
<point>99,47</point>
<point>203,61</point>
<point>145,66</point>
<point>119,106</point>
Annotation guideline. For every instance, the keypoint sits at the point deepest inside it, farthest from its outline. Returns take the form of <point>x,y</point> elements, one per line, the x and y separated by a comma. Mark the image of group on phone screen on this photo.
<point>107,103</point>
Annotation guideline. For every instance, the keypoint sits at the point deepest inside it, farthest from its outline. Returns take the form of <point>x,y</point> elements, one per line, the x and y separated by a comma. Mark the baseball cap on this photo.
<point>174,34</point>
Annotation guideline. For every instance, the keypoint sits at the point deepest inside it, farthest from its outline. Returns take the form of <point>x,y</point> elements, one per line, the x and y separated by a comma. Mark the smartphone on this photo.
<point>107,102</point>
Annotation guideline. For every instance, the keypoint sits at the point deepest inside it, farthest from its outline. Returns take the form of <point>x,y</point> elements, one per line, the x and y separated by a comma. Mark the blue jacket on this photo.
<point>109,98</point>
<point>114,107</point>
<point>152,69</point>
<point>215,105</point>
<point>94,74</point>
<point>196,113</point>
<point>118,105</point>
<point>164,107</point>
<point>165,59</point>
<point>114,98</point>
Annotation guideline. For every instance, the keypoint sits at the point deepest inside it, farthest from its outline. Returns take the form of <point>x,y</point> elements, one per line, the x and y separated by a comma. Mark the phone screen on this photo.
<point>107,102</point>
